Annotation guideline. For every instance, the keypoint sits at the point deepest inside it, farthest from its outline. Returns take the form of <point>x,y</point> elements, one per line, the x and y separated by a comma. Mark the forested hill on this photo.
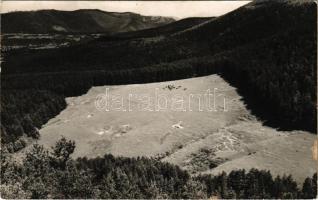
<point>253,22</point>
<point>247,25</point>
<point>78,21</point>
<point>267,49</point>
<point>52,173</point>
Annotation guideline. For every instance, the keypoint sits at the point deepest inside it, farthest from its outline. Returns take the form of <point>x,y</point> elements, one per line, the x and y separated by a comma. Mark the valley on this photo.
<point>16,41</point>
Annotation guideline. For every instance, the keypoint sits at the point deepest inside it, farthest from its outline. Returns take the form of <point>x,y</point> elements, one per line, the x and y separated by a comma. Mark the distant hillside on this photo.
<point>78,21</point>
<point>167,29</point>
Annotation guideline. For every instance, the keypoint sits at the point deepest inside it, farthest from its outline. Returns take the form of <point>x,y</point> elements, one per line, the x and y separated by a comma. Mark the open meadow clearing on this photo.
<point>184,131</point>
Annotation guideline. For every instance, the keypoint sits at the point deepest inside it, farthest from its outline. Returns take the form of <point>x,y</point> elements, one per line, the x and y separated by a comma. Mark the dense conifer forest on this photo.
<point>54,174</point>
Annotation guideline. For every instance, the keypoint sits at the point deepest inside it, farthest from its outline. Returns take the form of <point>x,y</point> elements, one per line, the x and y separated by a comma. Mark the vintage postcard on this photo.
<point>159,99</point>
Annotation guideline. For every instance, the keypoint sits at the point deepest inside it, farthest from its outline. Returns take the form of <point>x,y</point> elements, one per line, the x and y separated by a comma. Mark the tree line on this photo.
<point>23,112</point>
<point>52,173</point>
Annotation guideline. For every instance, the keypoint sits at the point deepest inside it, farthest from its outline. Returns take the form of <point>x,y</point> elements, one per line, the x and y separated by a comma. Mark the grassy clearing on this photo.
<point>201,142</point>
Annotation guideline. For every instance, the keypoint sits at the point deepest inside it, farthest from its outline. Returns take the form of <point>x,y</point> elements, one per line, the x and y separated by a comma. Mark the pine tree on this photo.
<point>308,191</point>
<point>61,152</point>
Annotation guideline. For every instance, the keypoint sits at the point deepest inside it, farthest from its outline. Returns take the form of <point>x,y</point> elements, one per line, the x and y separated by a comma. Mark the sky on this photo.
<point>176,9</point>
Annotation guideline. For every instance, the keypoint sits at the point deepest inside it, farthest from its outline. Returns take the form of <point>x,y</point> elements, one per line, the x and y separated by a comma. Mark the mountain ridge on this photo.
<point>77,21</point>
<point>164,30</point>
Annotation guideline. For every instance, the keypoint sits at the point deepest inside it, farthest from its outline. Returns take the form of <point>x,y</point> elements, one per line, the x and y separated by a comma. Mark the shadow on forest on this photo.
<point>262,109</point>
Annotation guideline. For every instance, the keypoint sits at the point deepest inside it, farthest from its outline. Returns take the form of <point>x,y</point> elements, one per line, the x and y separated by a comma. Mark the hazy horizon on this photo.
<point>175,9</point>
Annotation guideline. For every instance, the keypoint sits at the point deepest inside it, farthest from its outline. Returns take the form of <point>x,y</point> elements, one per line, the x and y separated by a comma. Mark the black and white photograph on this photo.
<point>158,99</point>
